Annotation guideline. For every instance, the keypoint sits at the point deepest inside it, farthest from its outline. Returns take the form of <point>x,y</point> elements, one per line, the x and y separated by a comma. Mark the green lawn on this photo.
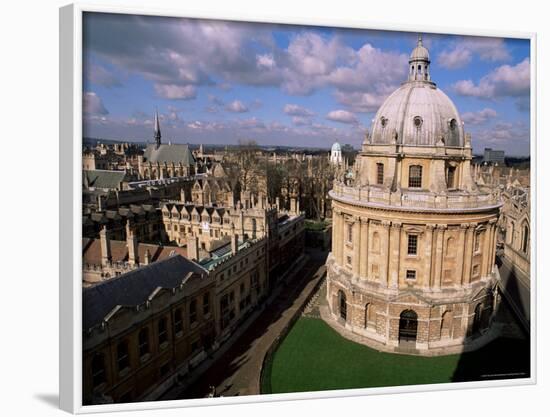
<point>314,357</point>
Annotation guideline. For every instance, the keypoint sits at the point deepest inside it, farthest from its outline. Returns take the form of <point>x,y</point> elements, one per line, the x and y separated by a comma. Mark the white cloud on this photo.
<point>265,61</point>
<point>93,105</point>
<point>295,110</point>
<point>176,92</point>
<point>301,121</point>
<point>236,106</point>
<point>488,49</point>
<point>504,81</point>
<point>97,74</point>
<point>342,116</point>
<point>479,117</point>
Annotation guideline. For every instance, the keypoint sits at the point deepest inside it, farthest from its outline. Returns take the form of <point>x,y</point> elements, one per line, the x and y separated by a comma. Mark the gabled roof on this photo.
<point>104,179</point>
<point>135,287</point>
<point>172,153</point>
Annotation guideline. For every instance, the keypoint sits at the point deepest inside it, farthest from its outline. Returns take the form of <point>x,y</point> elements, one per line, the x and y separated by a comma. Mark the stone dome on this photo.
<point>418,113</point>
<point>336,147</point>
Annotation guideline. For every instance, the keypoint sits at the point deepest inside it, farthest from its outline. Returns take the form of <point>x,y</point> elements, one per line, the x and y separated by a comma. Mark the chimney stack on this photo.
<point>132,242</point>
<point>105,246</point>
<point>193,248</point>
<point>234,244</point>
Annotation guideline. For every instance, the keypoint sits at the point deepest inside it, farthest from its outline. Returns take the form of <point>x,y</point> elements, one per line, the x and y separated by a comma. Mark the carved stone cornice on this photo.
<point>385,223</point>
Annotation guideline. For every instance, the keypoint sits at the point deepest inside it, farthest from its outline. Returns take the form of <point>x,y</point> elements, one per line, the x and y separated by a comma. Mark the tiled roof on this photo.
<point>91,251</point>
<point>134,288</point>
<point>104,179</point>
<point>173,153</point>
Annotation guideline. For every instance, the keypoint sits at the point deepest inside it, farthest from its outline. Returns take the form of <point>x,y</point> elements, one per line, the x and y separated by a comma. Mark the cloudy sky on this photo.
<point>220,82</point>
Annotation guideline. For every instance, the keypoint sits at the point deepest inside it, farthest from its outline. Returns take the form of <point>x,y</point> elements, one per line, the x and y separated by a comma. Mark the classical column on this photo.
<point>460,252</point>
<point>491,245</point>
<point>468,250</point>
<point>385,249</point>
<point>438,255</point>
<point>364,253</point>
<point>428,253</point>
<point>339,237</point>
<point>356,230</point>
<point>393,254</point>
<point>484,249</point>
<point>334,231</point>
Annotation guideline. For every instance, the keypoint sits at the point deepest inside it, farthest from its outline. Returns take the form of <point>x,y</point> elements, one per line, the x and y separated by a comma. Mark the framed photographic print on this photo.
<point>259,210</point>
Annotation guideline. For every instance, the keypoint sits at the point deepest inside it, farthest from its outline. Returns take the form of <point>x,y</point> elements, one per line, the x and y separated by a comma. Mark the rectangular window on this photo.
<point>163,331</point>
<point>348,260</point>
<point>143,341</point>
<point>123,360</point>
<point>476,241</point>
<point>380,173</point>
<point>412,245</point>
<point>415,176</point>
<point>206,304</point>
<point>451,177</point>
<point>178,321</point>
<point>411,274</point>
<point>349,233</point>
<point>193,311</point>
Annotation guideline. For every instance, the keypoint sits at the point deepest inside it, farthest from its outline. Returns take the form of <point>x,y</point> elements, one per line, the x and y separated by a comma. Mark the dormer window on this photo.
<point>383,121</point>
<point>452,124</point>
<point>417,120</point>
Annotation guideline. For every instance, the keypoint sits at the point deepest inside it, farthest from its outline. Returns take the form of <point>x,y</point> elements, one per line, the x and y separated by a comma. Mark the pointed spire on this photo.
<point>157,128</point>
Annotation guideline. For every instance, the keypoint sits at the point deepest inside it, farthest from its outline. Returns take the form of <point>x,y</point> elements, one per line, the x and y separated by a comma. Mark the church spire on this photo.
<point>419,62</point>
<point>157,128</point>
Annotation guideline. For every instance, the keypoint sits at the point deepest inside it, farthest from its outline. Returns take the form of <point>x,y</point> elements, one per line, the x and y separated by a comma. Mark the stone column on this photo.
<point>484,249</point>
<point>438,256</point>
<point>428,254</point>
<point>460,252</point>
<point>356,230</point>
<point>394,254</point>
<point>468,250</point>
<point>364,250</point>
<point>492,245</point>
<point>385,250</point>
<point>339,242</point>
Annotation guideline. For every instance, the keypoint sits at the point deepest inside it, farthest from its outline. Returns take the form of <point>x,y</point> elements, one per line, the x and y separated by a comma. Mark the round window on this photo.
<point>417,122</point>
<point>383,121</point>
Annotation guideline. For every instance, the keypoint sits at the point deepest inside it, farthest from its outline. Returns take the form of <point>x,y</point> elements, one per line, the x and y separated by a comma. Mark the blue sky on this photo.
<point>221,82</point>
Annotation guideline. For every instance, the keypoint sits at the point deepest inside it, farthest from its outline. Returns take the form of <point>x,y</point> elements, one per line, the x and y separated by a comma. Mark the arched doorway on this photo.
<point>476,326</point>
<point>343,307</point>
<point>408,325</point>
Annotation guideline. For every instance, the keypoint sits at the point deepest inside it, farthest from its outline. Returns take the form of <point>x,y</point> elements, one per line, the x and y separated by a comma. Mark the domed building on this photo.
<point>336,154</point>
<point>412,261</point>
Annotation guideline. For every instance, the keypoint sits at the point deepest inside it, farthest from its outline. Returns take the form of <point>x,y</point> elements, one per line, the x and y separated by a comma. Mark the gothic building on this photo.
<point>412,261</point>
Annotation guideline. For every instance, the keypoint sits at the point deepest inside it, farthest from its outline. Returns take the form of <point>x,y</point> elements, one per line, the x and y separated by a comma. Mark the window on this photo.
<point>411,274</point>
<point>163,331</point>
<point>350,232</point>
<point>412,245</point>
<point>342,304</point>
<point>206,304</point>
<point>451,177</point>
<point>475,271</point>
<point>417,120</point>
<point>380,173</point>
<point>122,358</point>
<point>193,311</point>
<point>525,242</point>
<point>383,121</point>
<point>452,124</point>
<point>98,369</point>
<point>348,260</point>
<point>476,241</point>
<point>178,321</point>
<point>143,341</point>
<point>415,176</point>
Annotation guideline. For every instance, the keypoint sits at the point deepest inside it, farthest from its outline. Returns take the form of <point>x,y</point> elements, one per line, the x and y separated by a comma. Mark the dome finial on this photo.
<point>419,43</point>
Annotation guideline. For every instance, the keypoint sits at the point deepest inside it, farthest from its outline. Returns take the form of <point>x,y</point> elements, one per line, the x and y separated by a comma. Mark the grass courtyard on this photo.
<point>313,357</point>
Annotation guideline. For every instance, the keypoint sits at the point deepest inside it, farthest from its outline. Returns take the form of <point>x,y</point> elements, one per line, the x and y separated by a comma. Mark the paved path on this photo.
<point>237,372</point>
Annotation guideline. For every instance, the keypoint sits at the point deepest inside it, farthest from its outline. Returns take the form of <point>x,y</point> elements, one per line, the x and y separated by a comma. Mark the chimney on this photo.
<point>234,244</point>
<point>132,242</point>
<point>105,246</point>
<point>147,257</point>
<point>193,248</point>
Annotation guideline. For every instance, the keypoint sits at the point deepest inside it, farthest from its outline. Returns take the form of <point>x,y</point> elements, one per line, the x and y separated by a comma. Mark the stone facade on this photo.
<point>414,238</point>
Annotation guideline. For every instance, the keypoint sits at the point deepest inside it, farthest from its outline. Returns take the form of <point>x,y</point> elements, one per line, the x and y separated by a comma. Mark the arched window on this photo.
<point>349,236</point>
<point>420,69</point>
<point>525,242</point>
<point>451,177</point>
<point>370,316</point>
<point>511,232</point>
<point>98,369</point>
<point>143,340</point>
<point>415,176</point>
<point>342,304</point>
<point>446,324</point>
